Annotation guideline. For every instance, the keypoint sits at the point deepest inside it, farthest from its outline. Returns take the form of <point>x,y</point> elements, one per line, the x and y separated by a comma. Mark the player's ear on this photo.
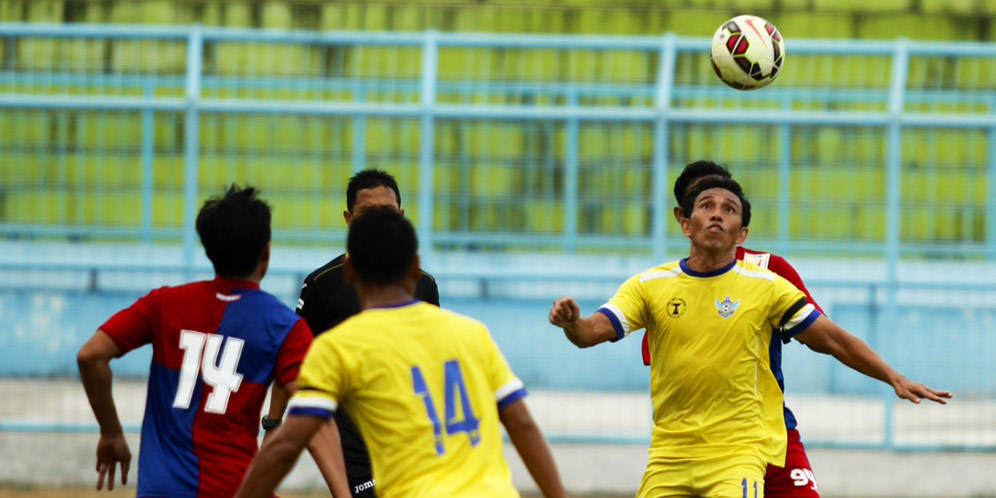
<point>742,236</point>
<point>686,226</point>
<point>265,255</point>
<point>346,215</point>
<point>401,210</point>
<point>678,214</point>
<point>411,278</point>
<point>264,261</point>
<point>348,272</point>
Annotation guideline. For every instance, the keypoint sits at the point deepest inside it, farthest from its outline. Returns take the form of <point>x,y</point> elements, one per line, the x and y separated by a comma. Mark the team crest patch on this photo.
<point>676,307</point>
<point>727,307</point>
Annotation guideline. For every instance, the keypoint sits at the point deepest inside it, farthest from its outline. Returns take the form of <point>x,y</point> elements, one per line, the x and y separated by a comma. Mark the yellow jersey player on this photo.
<point>717,406</point>
<point>426,387</point>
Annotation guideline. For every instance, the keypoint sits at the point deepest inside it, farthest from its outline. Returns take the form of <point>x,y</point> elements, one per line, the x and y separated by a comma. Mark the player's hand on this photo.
<point>112,450</point>
<point>915,391</point>
<point>564,312</point>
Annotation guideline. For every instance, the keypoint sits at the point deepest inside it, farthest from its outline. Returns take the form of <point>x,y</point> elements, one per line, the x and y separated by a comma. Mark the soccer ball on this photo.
<point>747,52</point>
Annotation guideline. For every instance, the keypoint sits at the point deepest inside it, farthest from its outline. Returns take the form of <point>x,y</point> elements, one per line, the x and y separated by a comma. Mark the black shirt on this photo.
<point>326,301</point>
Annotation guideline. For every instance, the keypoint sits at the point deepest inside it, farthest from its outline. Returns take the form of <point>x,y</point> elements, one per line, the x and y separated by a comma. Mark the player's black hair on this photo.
<point>381,245</point>
<point>234,229</point>
<point>717,182</point>
<point>694,171</point>
<point>369,178</point>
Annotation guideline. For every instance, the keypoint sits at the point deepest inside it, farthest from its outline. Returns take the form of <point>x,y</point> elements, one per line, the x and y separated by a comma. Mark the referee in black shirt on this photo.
<point>327,299</point>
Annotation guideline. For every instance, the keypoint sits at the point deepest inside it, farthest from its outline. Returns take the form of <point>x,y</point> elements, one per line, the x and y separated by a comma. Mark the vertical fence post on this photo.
<point>571,166</point>
<point>991,204</point>
<point>784,186</point>
<point>893,196</point>
<point>659,188</point>
<point>10,55</point>
<point>191,147</point>
<point>148,138</point>
<point>430,75</point>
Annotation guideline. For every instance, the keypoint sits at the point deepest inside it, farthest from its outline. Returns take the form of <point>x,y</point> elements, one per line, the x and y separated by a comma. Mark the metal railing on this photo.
<point>424,102</point>
<point>674,95</point>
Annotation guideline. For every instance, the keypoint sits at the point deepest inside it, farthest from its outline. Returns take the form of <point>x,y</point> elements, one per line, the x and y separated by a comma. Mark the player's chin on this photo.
<point>717,241</point>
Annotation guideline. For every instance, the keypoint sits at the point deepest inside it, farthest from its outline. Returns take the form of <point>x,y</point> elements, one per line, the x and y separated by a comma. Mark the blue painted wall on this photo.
<point>951,348</point>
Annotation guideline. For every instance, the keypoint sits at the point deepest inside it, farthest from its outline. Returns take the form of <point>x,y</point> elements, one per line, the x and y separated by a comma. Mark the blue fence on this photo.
<point>520,157</point>
<point>657,92</point>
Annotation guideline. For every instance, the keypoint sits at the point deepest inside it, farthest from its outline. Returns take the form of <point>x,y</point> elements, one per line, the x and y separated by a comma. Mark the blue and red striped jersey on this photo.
<point>216,346</point>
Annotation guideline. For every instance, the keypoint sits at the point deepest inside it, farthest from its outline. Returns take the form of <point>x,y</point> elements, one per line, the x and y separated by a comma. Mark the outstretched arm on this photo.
<point>94,360</point>
<point>583,332</point>
<point>824,336</point>
<point>532,447</point>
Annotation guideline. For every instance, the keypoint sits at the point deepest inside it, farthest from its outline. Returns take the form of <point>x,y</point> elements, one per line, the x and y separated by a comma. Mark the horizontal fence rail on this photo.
<point>667,99</point>
<point>553,146</point>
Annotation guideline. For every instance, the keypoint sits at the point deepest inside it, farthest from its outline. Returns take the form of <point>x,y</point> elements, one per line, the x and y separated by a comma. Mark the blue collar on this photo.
<point>395,305</point>
<point>715,273</point>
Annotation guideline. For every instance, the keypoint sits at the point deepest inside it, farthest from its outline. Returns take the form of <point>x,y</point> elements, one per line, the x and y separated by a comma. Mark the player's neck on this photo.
<point>254,278</point>
<point>382,296</point>
<point>705,261</point>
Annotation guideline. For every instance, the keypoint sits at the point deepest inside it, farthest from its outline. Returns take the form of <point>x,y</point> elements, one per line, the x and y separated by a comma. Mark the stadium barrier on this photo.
<point>867,162</point>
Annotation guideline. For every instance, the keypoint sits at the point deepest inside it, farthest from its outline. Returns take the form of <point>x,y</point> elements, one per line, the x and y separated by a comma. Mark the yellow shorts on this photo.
<point>710,477</point>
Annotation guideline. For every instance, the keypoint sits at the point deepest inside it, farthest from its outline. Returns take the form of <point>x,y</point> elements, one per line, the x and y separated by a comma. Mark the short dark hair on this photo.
<point>381,245</point>
<point>717,182</point>
<point>369,178</point>
<point>234,229</point>
<point>694,171</point>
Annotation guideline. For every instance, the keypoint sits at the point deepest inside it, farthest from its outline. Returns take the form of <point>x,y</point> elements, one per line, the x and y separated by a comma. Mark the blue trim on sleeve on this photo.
<point>512,398</point>
<point>309,412</point>
<point>620,333</point>
<point>789,333</point>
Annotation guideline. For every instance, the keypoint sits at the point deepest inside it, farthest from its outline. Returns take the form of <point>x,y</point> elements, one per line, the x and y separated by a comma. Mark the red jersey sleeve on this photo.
<point>782,267</point>
<point>133,327</point>
<point>292,353</point>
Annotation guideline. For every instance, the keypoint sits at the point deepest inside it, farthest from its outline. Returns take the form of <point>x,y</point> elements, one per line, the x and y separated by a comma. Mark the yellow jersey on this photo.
<point>711,383</point>
<point>424,387</point>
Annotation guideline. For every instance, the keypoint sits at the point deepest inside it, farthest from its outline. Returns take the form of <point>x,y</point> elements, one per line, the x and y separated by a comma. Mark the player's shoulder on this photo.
<point>766,260</point>
<point>423,312</point>
<point>183,292</point>
<point>456,326</point>
<point>667,270</point>
<point>266,308</point>
<point>426,277</point>
<point>449,315</point>
<point>752,270</point>
<point>759,258</point>
<point>331,271</point>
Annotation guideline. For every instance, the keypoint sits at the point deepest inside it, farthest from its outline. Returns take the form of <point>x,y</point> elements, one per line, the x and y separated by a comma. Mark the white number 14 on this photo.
<point>200,354</point>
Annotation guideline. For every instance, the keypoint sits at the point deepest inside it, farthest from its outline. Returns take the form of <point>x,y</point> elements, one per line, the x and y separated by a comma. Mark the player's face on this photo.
<point>716,221</point>
<point>372,197</point>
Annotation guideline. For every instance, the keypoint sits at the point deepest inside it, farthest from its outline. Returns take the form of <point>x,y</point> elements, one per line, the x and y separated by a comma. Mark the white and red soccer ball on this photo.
<point>747,52</point>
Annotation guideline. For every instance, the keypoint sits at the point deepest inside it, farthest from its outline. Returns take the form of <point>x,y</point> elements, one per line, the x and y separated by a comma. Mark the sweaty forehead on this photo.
<point>718,194</point>
<point>376,196</point>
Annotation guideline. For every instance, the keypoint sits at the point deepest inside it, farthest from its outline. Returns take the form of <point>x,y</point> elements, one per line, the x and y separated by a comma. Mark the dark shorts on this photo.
<point>796,479</point>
